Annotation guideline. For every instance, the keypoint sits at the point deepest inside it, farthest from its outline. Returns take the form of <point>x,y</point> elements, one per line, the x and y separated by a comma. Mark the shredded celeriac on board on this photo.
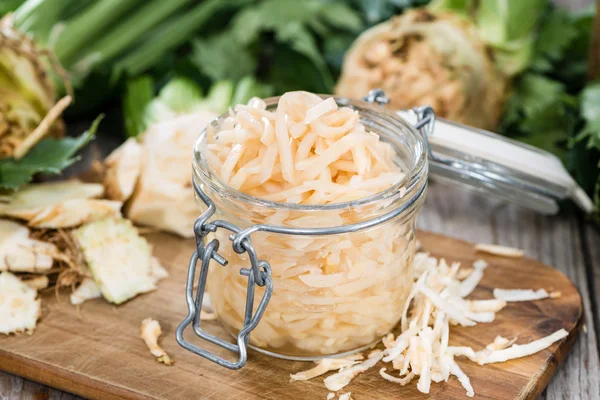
<point>422,351</point>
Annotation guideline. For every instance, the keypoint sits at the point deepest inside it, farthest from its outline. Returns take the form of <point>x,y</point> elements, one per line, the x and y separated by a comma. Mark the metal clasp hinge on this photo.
<point>425,117</point>
<point>258,274</point>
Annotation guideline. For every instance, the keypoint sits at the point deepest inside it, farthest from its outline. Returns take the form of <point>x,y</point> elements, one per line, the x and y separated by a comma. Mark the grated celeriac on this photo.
<point>422,348</point>
<point>332,293</point>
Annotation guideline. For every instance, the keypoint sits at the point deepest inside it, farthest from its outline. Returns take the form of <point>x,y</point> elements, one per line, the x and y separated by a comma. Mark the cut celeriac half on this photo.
<point>119,259</point>
<point>20,253</point>
<point>58,204</point>
<point>164,197</point>
<point>123,168</point>
<point>87,290</point>
<point>150,332</point>
<point>19,308</point>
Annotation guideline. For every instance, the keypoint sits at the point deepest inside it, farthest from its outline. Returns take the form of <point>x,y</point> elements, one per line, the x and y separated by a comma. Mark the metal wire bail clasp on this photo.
<point>258,274</point>
<point>425,117</point>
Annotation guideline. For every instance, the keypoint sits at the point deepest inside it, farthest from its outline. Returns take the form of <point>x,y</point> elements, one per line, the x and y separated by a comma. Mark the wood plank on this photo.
<point>102,356</point>
<point>554,240</point>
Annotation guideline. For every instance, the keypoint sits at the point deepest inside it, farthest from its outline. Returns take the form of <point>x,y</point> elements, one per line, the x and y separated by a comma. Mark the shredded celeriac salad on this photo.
<point>331,293</point>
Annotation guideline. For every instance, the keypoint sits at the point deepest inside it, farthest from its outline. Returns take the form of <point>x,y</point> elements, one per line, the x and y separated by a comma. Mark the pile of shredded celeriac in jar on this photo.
<point>332,293</point>
<point>308,151</point>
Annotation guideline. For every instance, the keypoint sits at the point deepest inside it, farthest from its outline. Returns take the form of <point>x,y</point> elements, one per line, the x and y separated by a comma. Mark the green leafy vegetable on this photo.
<point>48,156</point>
<point>139,93</point>
<point>223,57</point>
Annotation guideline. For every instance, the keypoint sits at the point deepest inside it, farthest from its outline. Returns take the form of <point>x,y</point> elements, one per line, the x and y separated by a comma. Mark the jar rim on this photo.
<point>412,178</point>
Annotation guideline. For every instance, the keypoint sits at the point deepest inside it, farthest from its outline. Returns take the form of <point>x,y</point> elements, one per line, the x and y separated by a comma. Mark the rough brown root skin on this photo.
<point>423,58</point>
<point>15,134</point>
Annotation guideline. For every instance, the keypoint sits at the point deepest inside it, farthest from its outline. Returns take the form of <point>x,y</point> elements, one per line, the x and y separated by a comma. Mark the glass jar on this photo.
<point>342,276</point>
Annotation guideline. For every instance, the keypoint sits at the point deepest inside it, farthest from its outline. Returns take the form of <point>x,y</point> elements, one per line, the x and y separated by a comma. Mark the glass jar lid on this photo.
<point>493,165</point>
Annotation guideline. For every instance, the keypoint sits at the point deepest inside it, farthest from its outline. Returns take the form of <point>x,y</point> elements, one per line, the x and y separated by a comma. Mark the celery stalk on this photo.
<point>38,18</point>
<point>80,30</point>
<point>128,31</point>
<point>138,94</point>
<point>170,35</point>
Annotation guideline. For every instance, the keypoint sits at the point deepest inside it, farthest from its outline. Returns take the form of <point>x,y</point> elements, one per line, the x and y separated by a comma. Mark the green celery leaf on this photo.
<point>296,24</point>
<point>556,33</point>
<point>590,104</point>
<point>535,92</point>
<point>300,40</point>
<point>48,156</point>
<point>139,92</point>
<point>223,57</point>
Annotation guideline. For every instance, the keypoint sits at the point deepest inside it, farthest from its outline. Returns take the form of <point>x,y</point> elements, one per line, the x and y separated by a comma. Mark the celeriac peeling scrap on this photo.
<point>150,332</point>
<point>119,259</point>
<point>59,204</point>
<point>19,306</point>
<point>20,253</point>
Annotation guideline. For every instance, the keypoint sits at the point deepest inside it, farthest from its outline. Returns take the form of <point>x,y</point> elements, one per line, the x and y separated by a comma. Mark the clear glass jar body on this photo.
<point>332,293</point>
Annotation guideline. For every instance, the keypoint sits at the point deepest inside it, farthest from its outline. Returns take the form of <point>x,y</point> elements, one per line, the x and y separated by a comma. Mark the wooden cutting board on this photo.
<point>97,353</point>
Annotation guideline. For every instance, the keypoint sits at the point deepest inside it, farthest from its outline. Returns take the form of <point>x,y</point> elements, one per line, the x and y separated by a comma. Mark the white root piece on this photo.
<point>119,259</point>
<point>470,282</point>
<point>492,305</point>
<point>497,250</point>
<point>38,282</point>
<point>87,290</point>
<point>462,378</point>
<point>345,396</point>
<point>150,332</point>
<point>123,168</point>
<point>514,295</point>
<point>339,380</point>
<point>164,197</point>
<point>59,204</point>
<point>20,253</point>
<point>19,306</point>
<point>325,365</point>
<point>523,350</point>
<point>330,396</point>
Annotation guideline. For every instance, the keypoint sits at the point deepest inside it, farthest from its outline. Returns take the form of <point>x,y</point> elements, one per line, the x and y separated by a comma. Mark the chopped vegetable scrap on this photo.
<point>20,253</point>
<point>19,306</point>
<point>497,250</point>
<point>87,290</point>
<point>123,168</point>
<point>58,204</point>
<point>154,174</point>
<point>150,332</point>
<point>512,295</point>
<point>119,259</point>
<point>422,350</point>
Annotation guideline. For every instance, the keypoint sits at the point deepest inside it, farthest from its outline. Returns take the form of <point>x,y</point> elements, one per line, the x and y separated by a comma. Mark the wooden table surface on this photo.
<point>567,242</point>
